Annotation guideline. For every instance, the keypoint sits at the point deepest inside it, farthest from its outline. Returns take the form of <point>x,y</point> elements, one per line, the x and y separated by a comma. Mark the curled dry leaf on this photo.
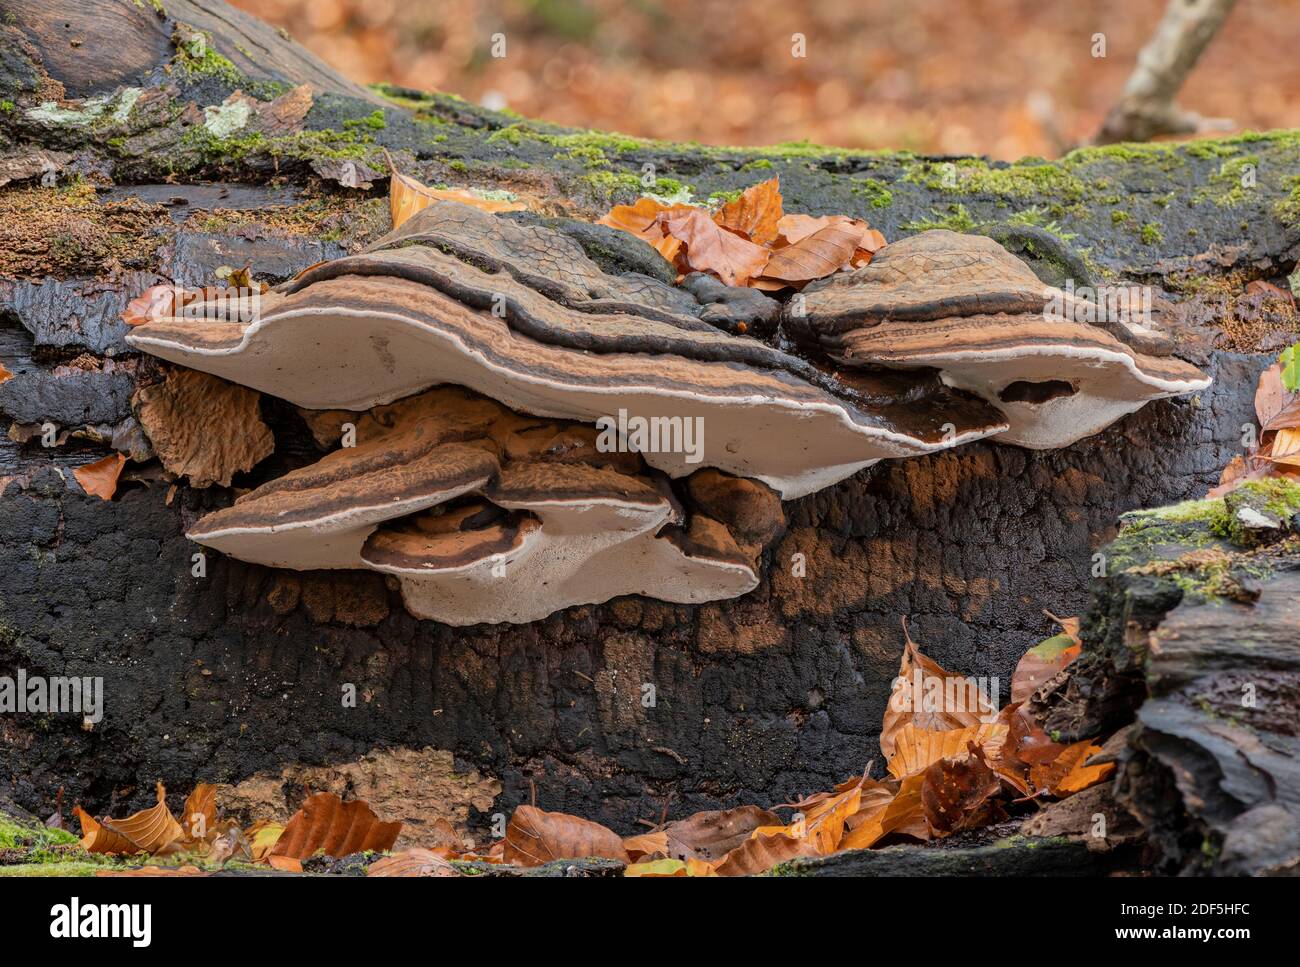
<point>915,750</point>
<point>534,837</point>
<point>155,871</point>
<point>642,220</point>
<point>711,248</point>
<point>262,837</point>
<point>816,256</point>
<point>412,862</point>
<point>337,828</point>
<point>1041,662</point>
<point>406,196</point>
<point>661,867</point>
<point>199,816</point>
<point>755,214</point>
<point>711,834</point>
<point>957,793</point>
<point>930,697</point>
<point>147,831</point>
<point>761,852</point>
<point>99,479</point>
<point>1066,773</point>
<point>5,375</point>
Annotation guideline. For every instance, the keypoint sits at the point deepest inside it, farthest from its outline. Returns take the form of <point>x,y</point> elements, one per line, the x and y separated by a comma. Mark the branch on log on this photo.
<point>1146,109</point>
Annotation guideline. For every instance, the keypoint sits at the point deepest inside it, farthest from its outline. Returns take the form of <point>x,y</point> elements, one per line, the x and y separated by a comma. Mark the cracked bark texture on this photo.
<point>759,699</point>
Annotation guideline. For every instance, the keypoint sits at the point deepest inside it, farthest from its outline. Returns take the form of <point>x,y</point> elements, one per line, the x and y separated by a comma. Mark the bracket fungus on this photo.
<point>484,514</point>
<point>1058,366</point>
<point>519,313</point>
<point>521,413</point>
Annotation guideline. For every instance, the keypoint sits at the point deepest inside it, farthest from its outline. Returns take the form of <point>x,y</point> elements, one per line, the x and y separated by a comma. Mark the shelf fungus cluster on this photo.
<point>532,432</point>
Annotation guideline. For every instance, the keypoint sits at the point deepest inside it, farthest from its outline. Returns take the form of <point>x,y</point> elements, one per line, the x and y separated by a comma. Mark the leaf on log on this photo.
<point>915,750</point>
<point>147,831</point>
<point>199,816</point>
<point>203,427</point>
<point>1067,773</point>
<point>1040,663</point>
<point>816,256</point>
<point>99,479</point>
<point>761,852</point>
<point>262,837</point>
<point>958,793</point>
<point>710,248</point>
<point>712,834</point>
<point>930,697</point>
<point>412,862</point>
<point>642,220</point>
<point>755,214</point>
<point>187,870</point>
<point>534,837</point>
<point>5,375</point>
<point>646,845</point>
<point>326,823</point>
<point>406,196</point>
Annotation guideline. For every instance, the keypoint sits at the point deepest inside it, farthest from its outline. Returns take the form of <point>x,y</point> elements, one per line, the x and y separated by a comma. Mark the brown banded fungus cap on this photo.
<point>519,313</point>
<point>484,515</point>
<point>1058,367</point>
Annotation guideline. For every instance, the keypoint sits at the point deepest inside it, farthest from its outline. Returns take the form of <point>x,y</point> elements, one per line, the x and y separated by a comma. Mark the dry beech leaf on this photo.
<point>1271,397</point>
<point>534,837</point>
<point>760,853</point>
<point>199,817</point>
<point>1066,773</point>
<point>960,703</point>
<point>406,196</point>
<point>712,834</point>
<point>710,248</point>
<point>661,867</point>
<point>755,214</point>
<point>1286,447</point>
<point>5,375</point>
<point>154,302</point>
<point>642,220</point>
<point>262,837</point>
<point>957,793</point>
<point>902,813</point>
<point>337,828</point>
<point>147,831</point>
<point>915,750</point>
<point>99,479</point>
<point>1041,662</point>
<point>1288,417</point>
<point>412,862</point>
<point>818,255</point>
<point>647,845</point>
<point>285,864</point>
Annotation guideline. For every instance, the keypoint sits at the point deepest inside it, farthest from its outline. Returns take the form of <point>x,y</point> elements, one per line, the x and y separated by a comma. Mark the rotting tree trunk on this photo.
<point>239,674</point>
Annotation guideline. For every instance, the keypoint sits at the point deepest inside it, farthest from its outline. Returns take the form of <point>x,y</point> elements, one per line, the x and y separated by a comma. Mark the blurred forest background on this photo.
<point>1005,78</point>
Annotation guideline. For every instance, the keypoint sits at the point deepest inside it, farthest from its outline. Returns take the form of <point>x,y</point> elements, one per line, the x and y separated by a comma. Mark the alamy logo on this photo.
<point>653,434</point>
<point>57,694</point>
<point>74,921</point>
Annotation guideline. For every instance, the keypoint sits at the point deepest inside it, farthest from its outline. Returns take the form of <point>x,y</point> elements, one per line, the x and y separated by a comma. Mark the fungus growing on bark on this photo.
<point>1059,367</point>
<point>483,514</point>
<point>518,312</point>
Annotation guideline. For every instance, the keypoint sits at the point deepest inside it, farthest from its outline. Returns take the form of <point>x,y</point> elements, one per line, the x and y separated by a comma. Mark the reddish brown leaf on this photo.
<point>1066,773</point>
<point>818,255</point>
<point>99,479</point>
<point>406,196</point>
<point>412,862</point>
<point>5,375</point>
<point>147,831</point>
<point>155,871</point>
<point>956,793</point>
<point>915,750</point>
<point>755,214</point>
<point>534,837</point>
<point>199,816</point>
<point>325,823</point>
<point>710,248</point>
<point>710,835</point>
<point>642,220</point>
<point>761,852</point>
<point>1040,663</point>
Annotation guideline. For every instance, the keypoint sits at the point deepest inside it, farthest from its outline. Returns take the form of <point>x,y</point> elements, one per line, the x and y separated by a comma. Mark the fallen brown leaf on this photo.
<point>761,852</point>
<point>1066,773</point>
<point>412,862</point>
<point>818,255</point>
<point>755,214</point>
<point>406,196</point>
<point>534,836</point>
<point>711,248</point>
<point>711,834</point>
<point>957,793</point>
<point>147,831</point>
<point>642,220</point>
<point>325,823</point>
<point>99,479</point>
<point>915,750</point>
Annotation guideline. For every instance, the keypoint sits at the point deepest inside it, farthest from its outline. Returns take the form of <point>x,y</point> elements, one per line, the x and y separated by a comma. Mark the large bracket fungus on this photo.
<point>484,514</point>
<point>500,474</point>
<point>1058,366</point>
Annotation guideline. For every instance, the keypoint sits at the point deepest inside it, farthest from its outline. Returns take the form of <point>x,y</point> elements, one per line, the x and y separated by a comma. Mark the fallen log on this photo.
<point>199,149</point>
